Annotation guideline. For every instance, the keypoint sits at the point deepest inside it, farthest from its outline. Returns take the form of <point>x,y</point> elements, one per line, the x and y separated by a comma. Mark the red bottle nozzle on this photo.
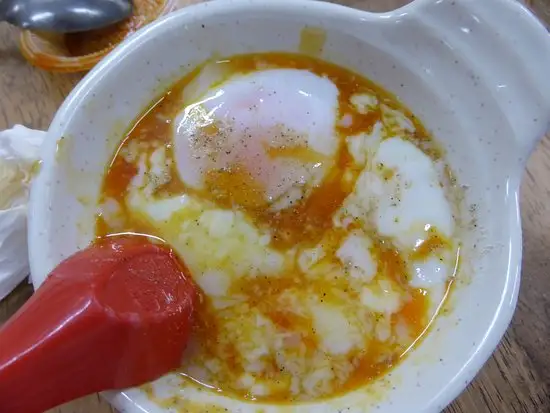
<point>115,315</point>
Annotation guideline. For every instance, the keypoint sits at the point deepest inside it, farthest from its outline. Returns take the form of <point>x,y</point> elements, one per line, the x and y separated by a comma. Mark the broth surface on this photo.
<point>263,338</point>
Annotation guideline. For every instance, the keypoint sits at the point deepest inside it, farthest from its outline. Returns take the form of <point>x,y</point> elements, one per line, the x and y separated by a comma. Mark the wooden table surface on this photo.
<point>515,379</point>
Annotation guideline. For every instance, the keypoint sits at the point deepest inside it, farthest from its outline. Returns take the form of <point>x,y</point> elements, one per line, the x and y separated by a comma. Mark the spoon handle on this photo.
<point>111,316</point>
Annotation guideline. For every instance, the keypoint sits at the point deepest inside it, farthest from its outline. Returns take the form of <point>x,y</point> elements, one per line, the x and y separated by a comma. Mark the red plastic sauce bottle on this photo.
<point>114,315</point>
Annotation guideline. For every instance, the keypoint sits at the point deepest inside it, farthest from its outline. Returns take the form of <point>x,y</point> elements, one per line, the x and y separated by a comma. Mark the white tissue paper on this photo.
<point>19,150</point>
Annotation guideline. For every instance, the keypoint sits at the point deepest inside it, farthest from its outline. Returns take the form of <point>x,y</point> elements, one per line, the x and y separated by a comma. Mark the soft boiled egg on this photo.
<point>274,127</point>
<point>312,212</point>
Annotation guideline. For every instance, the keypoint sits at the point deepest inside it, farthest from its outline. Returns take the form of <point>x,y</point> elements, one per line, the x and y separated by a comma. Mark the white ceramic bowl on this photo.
<point>475,72</point>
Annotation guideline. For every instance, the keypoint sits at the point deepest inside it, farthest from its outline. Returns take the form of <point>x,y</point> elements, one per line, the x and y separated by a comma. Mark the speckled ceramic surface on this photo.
<point>475,72</point>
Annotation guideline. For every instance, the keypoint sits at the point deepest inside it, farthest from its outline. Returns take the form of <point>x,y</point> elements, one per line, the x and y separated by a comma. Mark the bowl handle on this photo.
<point>502,45</point>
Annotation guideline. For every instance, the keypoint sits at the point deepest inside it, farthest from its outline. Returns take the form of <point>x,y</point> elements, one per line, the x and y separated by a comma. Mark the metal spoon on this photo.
<point>64,16</point>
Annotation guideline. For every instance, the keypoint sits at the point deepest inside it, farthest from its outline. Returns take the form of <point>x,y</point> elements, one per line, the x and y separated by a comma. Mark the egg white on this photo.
<point>275,108</point>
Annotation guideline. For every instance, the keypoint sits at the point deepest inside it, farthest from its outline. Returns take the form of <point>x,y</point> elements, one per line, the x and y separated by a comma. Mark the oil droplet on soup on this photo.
<point>313,211</point>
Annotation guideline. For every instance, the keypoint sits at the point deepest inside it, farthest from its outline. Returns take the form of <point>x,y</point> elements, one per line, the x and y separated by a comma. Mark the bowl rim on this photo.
<point>503,313</point>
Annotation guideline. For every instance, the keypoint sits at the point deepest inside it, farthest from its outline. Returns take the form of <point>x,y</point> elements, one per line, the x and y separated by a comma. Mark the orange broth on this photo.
<point>304,222</point>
